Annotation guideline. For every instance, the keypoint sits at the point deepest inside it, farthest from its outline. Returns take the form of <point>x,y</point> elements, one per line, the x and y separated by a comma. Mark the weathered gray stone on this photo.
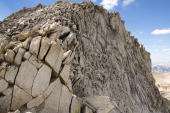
<point>26,33</point>
<point>2,49</point>
<point>65,100</point>
<point>45,44</point>
<point>8,91</point>
<point>101,103</point>
<point>69,85</point>
<point>65,73</point>
<point>35,61</point>
<point>11,73</point>
<point>3,85</point>
<point>11,45</point>
<point>75,105</point>
<point>76,80</point>
<point>17,111</point>
<point>53,100</point>
<point>26,75</point>
<point>70,38</point>
<point>87,110</point>
<point>59,61</point>
<point>54,56</point>
<point>18,59</point>
<point>41,81</point>
<point>9,56</point>
<point>16,49</point>
<point>66,54</point>
<point>20,97</point>
<point>27,42</point>
<point>27,55</point>
<point>3,69</point>
<point>40,99</point>
<point>64,30</point>
<point>82,60</point>
<point>5,102</point>
<point>21,51</point>
<point>35,45</point>
<point>48,27</point>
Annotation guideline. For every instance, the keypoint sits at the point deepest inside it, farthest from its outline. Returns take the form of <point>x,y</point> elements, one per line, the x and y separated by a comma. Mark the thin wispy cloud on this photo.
<point>127,2</point>
<point>166,49</point>
<point>109,4</point>
<point>161,31</point>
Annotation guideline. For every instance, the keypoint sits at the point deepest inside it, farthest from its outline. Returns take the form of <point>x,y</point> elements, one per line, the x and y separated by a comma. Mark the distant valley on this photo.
<point>161,67</point>
<point>161,73</point>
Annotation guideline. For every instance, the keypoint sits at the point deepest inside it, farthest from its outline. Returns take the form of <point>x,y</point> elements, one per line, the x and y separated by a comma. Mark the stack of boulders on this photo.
<point>74,58</point>
<point>35,72</point>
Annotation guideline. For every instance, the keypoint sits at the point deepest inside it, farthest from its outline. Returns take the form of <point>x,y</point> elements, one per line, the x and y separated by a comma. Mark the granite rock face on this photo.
<point>74,58</point>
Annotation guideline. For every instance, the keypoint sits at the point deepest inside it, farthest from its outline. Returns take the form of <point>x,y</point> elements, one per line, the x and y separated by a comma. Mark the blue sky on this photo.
<point>148,20</point>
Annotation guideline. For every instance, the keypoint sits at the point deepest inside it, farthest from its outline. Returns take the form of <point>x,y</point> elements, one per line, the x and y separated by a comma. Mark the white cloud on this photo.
<point>166,49</point>
<point>167,53</point>
<point>109,4</point>
<point>93,0</point>
<point>161,31</point>
<point>127,2</point>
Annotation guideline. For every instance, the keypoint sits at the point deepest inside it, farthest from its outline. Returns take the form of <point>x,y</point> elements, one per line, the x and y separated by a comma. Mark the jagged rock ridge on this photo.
<point>71,58</point>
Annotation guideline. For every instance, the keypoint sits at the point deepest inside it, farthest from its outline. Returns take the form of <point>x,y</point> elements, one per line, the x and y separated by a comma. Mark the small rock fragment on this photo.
<point>40,99</point>
<point>18,59</point>
<point>54,56</point>
<point>9,56</point>
<point>5,102</point>
<point>3,69</point>
<point>27,55</point>
<point>20,97</point>
<point>65,100</point>
<point>8,91</point>
<point>27,42</point>
<point>45,44</point>
<point>41,81</point>
<point>65,73</point>
<point>11,74</point>
<point>87,110</point>
<point>35,61</point>
<point>26,75</point>
<point>35,45</point>
<point>3,85</point>
<point>21,51</point>
<point>101,103</point>
<point>66,54</point>
<point>75,105</point>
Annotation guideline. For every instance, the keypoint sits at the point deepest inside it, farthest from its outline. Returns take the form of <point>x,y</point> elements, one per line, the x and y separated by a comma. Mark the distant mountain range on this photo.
<point>161,67</point>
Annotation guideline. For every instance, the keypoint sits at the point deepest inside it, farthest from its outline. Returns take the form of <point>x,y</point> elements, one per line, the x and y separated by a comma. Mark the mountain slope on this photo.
<point>88,53</point>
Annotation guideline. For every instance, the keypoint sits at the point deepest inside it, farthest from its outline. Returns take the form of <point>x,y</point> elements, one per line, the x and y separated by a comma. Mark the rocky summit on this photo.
<point>74,58</point>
